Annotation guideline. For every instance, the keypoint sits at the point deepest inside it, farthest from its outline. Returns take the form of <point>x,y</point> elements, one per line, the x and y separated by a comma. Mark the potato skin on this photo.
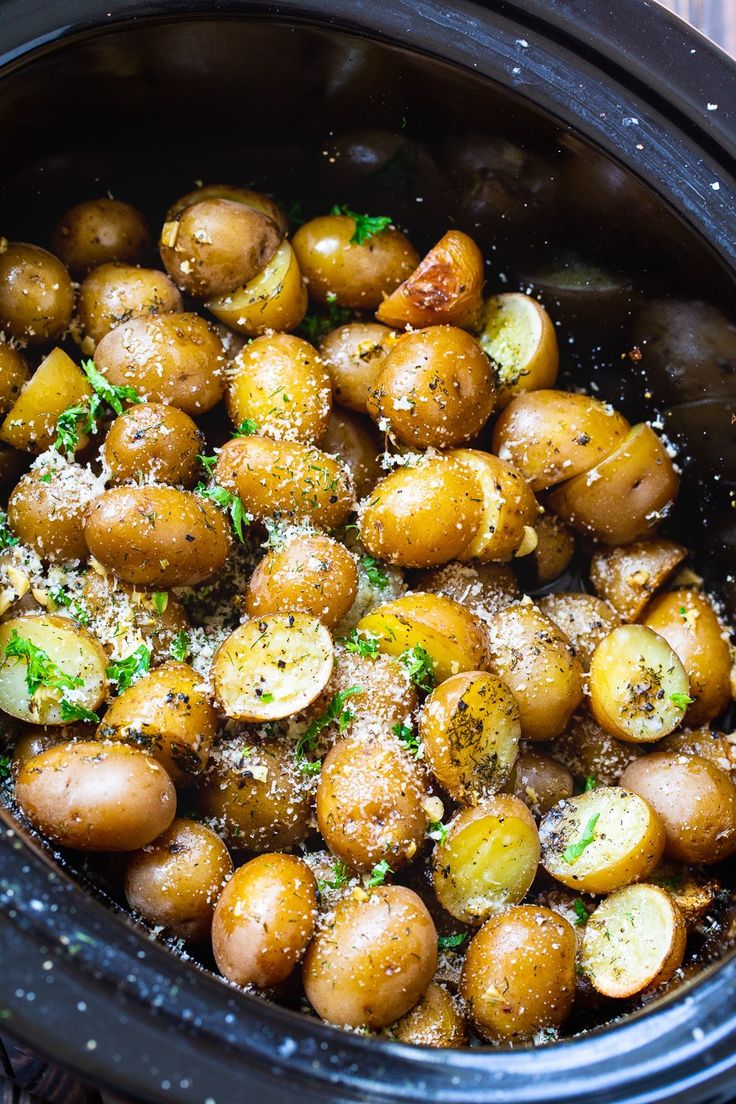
<point>355,441</point>
<point>286,479</point>
<point>169,358</point>
<point>36,294</point>
<point>259,201</point>
<point>540,781</point>
<point>279,382</point>
<point>264,920</point>
<point>445,287</point>
<point>157,536</point>
<point>435,387</point>
<point>275,299</point>
<point>424,515</point>
<point>520,338</point>
<point>628,577</point>
<point>372,960</point>
<point>435,1021</point>
<point>167,713</point>
<point>584,619</point>
<point>359,276</point>
<point>311,574</point>
<point>57,383</point>
<point>386,696</point>
<point>554,550</point>
<point>483,587</point>
<point>176,879</point>
<point>519,974</point>
<point>152,442</point>
<point>99,231</point>
<point>47,507</point>
<point>113,293</point>
<point>108,601</point>
<point>588,751</point>
<point>696,801</point>
<point>510,510</point>
<point>354,355</point>
<point>96,797</point>
<point>13,374</point>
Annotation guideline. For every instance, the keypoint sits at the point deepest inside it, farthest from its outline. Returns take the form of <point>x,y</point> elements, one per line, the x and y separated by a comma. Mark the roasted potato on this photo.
<point>519,337</point>
<point>377,691</point>
<point>483,587</point>
<point>354,355</point>
<point>14,372</point>
<point>275,299</point>
<point>716,746</point>
<point>355,441</point>
<point>435,1021</point>
<point>540,781</point>
<point>114,293</point>
<point>445,288</point>
<point>311,574</point>
<point>47,507</point>
<point>152,442</point>
<point>124,617</point>
<point>510,510</point>
<point>584,619</point>
<point>57,383</point>
<point>628,577</point>
<point>99,231</point>
<point>36,294</point>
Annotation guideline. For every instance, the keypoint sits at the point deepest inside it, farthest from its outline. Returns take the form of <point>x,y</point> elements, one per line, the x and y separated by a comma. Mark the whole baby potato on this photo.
<point>114,293</point>
<point>168,358</point>
<point>286,479</point>
<point>175,880</point>
<point>355,440</point>
<point>435,1021</point>
<point>510,510</point>
<point>36,294</point>
<point>96,797</point>
<point>422,515</point>
<point>435,388</point>
<point>264,920</point>
<point>278,382</point>
<point>13,374</point>
<point>354,355</point>
<point>168,713</point>
<point>540,781</point>
<point>357,274</point>
<point>157,536</point>
<point>310,574</point>
<point>47,508</point>
<point>153,442</point>
<point>372,960</point>
<point>257,200</point>
<point>446,287</point>
<point>216,245</point>
<point>275,299</point>
<point>99,231</point>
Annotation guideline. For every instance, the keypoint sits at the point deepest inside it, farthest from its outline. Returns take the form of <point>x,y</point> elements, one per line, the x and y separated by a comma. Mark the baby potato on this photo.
<point>601,840</point>
<point>173,358</point>
<point>257,200</point>
<point>435,1021</point>
<point>311,574</point>
<point>216,245</point>
<point>36,294</point>
<point>451,635</point>
<point>423,514</point>
<point>354,355</point>
<point>96,797</point>
<point>351,273</point>
<point>539,781</point>
<point>689,623</point>
<point>37,738</point>
<point>469,728</point>
<point>584,619</point>
<point>381,695</point>
<point>488,859</point>
<point>271,667</point>
<point>509,509</point>
<point>638,686</point>
<point>157,536</point>
<point>551,555</point>
<point>483,587</point>
<point>370,804</point>
<point>693,891</point>
<point>625,496</point>
<point>275,299</point>
<point>167,713</point>
<point>519,337</point>
<point>538,664</point>
<point>175,880</point>
<point>445,288</point>
<point>99,231</point>
<point>279,382</point>
<point>628,577</point>
<point>15,581</point>
<point>435,388</point>
<point>552,436</point>
<point>57,383</point>
<point>264,920</point>
<point>113,293</point>
<point>47,507</point>
<point>519,974</point>
<point>124,618</point>
<point>372,960</point>
<point>14,372</point>
<point>286,479</point>
<point>46,662</point>
<point>254,794</point>
<point>153,442</point>
<point>716,746</point>
<point>635,940</point>
<point>696,801</point>
<point>355,441</point>
<point>588,751</point>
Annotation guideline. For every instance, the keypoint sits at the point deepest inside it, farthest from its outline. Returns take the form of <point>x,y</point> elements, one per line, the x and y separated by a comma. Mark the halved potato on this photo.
<point>275,299</point>
<point>56,384</point>
<point>519,337</point>
<point>446,287</point>
<point>64,661</point>
<point>634,940</point>
<point>509,508</point>
<point>601,840</point>
<point>272,667</point>
<point>628,577</point>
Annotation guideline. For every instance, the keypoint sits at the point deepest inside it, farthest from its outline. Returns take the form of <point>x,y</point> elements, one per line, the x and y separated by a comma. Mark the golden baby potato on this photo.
<point>47,508</point>
<point>357,443</point>
<point>57,383</point>
<point>275,299</point>
<point>520,338</point>
<point>584,619</point>
<point>540,781</point>
<point>36,294</point>
<point>14,372</point>
<point>628,577</point>
<point>445,288</point>
<point>510,510</point>
<point>153,443</point>
<point>259,201</point>
<point>354,355</point>
<point>435,1021</point>
<point>312,574</point>
<point>113,293</point>
<point>100,231</point>
<point>482,587</point>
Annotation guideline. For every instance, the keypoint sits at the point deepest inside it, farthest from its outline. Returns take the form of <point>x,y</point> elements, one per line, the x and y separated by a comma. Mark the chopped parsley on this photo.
<point>450,942</point>
<point>82,417</point>
<point>5,765</point>
<point>228,502</point>
<point>590,783</point>
<point>419,666</point>
<point>408,738</point>
<point>315,326</point>
<point>363,644</point>
<point>336,712</point>
<point>179,647</point>
<point>572,853</point>
<point>437,831</point>
<point>208,462</point>
<point>160,601</point>
<point>126,671</point>
<point>376,575</point>
<point>41,671</point>
<point>340,877</point>
<point>682,701</point>
<point>365,225</point>
<point>70,711</point>
<point>378,874</point>
<point>581,913</point>
<point>247,428</point>
<point>266,697</point>
<point>7,537</point>
<point>60,598</point>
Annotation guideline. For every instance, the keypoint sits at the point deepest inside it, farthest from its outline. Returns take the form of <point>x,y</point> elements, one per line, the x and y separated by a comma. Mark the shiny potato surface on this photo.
<point>435,1021</point>
<point>275,299</point>
<point>153,442</point>
<point>540,781</point>
<point>259,201</point>
<point>510,510</point>
<point>100,231</point>
<point>14,372</point>
<point>483,587</point>
<point>47,508</point>
<point>584,619</point>
<point>57,384</point>
<point>354,355</point>
<point>519,337</point>
<point>356,442</point>
<point>114,293</point>
<point>628,577</point>
<point>36,294</point>
<point>310,574</point>
<point>445,288</point>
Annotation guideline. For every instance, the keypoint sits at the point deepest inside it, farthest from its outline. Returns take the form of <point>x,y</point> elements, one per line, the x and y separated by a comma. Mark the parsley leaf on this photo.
<point>315,326</point>
<point>581,913</point>
<point>179,647</point>
<point>378,874</point>
<point>682,701</point>
<point>419,666</point>
<point>450,942</point>
<point>336,711</point>
<point>408,738</point>
<point>246,428</point>
<point>340,878</point>
<point>572,853</point>
<point>590,783</point>
<point>7,538</point>
<point>437,831</point>
<point>377,577</point>
<point>363,644</point>
<point>5,766</point>
<point>208,463</point>
<point>70,711</point>
<point>41,669</point>
<point>60,598</point>
<point>228,502</point>
<point>113,396</point>
<point>83,415</point>
<point>126,671</point>
<point>365,225</point>
<point>160,601</point>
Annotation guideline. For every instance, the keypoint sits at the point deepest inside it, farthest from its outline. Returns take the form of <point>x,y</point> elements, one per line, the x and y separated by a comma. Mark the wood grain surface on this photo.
<point>715,18</point>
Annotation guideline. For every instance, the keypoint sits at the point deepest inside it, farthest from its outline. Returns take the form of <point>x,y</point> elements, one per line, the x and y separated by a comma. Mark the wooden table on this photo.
<point>715,18</point>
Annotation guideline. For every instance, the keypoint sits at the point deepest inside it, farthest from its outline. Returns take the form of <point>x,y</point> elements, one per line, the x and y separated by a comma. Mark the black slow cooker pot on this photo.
<point>631,116</point>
